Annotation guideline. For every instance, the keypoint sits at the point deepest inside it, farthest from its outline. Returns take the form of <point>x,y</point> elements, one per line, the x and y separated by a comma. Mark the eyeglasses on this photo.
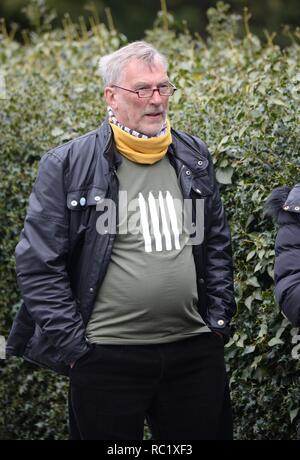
<point>165,90</point>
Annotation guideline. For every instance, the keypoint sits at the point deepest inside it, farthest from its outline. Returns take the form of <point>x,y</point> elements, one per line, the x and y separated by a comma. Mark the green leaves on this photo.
<point>275,341</point>
<point>57,132</point>
<point>294,413</point>
<point>224,175</point>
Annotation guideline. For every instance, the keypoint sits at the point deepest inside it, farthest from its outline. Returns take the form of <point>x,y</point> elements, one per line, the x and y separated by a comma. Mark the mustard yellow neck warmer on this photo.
<point>139,150</point>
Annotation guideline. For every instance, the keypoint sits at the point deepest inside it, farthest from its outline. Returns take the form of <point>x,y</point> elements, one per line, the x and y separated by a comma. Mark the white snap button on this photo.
<point>297,208</point>
<point>97,198</point>
<point>188,173</point>
<point>200,163</point>
<point>74,203</point>
<point>221,322</point>
<point>286,208</point>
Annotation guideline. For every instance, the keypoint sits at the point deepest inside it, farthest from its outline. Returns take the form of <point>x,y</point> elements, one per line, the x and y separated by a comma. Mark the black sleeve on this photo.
<point>41,262</point>
<point>287,270</point>
<point>221,304</point>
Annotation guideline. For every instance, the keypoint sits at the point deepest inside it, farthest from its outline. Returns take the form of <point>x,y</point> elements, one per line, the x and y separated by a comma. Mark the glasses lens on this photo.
<point>163,91</point>
<point>147,92</point>
<point>166,90</point>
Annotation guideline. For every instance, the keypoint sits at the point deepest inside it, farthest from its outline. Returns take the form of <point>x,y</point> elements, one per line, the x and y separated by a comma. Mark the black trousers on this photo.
<point>179,387</point>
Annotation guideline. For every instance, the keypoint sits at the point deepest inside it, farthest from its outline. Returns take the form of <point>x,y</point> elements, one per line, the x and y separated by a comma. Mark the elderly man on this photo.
<point>125,268</point>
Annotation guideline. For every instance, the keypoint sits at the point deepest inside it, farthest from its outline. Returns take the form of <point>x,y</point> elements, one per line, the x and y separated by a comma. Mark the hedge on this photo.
<point>241,96</point>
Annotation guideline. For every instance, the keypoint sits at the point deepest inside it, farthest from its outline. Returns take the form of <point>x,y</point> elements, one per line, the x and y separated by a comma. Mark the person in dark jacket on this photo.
<point>125,268</point>
<point>283,205</point>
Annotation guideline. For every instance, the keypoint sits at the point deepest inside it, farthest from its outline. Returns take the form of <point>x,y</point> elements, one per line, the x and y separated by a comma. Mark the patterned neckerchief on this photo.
<point>134,133</point>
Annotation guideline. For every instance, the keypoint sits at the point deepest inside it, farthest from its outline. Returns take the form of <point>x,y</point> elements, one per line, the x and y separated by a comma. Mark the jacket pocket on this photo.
<point>82,206</point>
<point>79,200</point>
<point>202,184</point>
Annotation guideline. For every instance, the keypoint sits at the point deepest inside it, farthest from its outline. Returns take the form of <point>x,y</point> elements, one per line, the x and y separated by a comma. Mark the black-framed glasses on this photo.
<point>164,90</point>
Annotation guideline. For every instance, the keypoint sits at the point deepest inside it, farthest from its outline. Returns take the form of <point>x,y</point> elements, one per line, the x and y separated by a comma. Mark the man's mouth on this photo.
<point>154,115</point>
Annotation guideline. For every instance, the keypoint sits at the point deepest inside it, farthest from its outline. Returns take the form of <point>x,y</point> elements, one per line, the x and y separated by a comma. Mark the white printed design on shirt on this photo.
<point>153,212</point>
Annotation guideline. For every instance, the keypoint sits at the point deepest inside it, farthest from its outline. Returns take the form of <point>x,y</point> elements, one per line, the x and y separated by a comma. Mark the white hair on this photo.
<point>112,65</point>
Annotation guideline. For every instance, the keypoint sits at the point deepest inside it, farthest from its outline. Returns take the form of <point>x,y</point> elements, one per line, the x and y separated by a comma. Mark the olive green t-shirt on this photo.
<point>149,293</point>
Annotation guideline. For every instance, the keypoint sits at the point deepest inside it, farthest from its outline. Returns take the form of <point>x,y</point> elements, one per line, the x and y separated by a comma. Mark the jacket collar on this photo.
<point>185,149</point>
<point>107,145</point>
<point>182,149</point>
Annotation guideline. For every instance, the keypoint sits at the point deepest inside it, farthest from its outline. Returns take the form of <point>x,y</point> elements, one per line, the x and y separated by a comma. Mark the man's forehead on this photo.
<point>138,71</point>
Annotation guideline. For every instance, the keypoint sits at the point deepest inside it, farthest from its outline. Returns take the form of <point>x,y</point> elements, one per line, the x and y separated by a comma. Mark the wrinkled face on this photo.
<point>145,115</point>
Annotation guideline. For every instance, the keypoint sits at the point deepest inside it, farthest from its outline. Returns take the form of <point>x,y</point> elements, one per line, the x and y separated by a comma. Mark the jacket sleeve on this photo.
<point>221,304</point>
<point>287,271</point>
<point>41,262</point>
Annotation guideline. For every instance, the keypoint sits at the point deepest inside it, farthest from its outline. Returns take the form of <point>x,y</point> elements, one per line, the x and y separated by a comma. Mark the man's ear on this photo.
<point>110,97</point>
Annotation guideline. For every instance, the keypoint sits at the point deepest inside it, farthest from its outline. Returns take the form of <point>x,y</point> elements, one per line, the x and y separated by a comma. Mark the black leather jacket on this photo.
<point>61,259</point>
<point>283,205</point>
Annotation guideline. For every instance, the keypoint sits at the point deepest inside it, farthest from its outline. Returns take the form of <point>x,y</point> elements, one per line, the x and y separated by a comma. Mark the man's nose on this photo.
<point>156,97</point>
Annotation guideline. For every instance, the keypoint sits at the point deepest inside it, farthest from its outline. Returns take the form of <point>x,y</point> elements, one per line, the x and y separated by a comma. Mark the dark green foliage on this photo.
<point>34,403</point>
<point>239,95</point>
<point>133,17</point>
